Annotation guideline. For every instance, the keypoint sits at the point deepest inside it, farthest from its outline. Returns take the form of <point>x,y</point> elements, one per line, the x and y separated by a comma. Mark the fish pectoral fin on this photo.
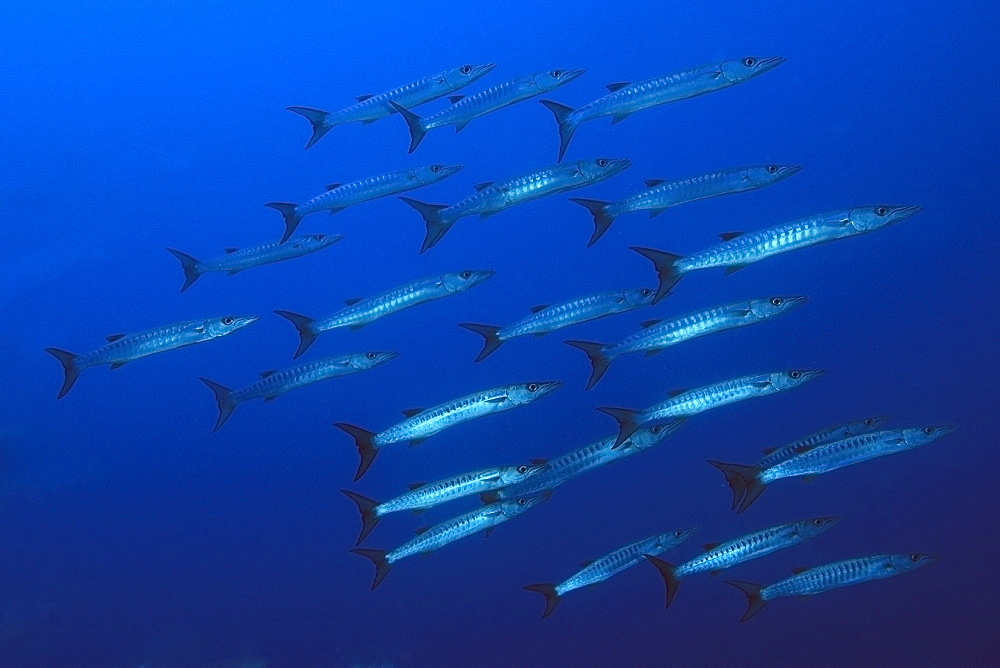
<point>740,312</point>
<point>113,337</point>
<point>117,365</point>
<point>355,328</point>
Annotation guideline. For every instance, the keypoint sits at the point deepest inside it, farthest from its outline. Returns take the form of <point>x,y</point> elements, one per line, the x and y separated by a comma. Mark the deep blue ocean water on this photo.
<point>133,535</point>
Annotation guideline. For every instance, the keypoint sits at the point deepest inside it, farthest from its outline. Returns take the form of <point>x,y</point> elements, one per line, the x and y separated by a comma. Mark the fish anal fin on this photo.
<point>716,573</point>
<point>653,213</point>
<point>269,398</point>
<point>619,118</point>
<point>808,479</point>
<point>117,365</point>
<point>113,337</point>
<point>414,442</point>
<point>539,335</point>
<point>460,126</point>
<point>733,268</point>
<point>653,351</point>
<point>355,328</point>
<point>487,214</point>
<point>488,532</point>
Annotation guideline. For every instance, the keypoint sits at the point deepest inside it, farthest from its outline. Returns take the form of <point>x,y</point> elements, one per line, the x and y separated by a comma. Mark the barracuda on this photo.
<point>339,196</point>
<point>774,456</point>
<point>737,250</point>
<point>492,197</point>
<point>625,98</point>
<point>274,383</point>
<point>421,424</point>
<point>545,318</point>
<point>123,348</point>
<point>237,259</point>
<point>720,556</point>
<point>659,334</point>
<point>359,312</point>
<point>810,581</point>
<point>660,194</point>
<point>370,108</point>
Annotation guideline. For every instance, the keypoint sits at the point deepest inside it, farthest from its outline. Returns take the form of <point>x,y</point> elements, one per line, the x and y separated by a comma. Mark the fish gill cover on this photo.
<point>834,166</point>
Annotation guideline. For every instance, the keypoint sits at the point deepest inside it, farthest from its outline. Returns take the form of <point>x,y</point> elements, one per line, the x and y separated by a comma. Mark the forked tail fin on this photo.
<point>377,557</point>
<point>669,578</point>
<point>566,127</point>
<point>754,601</point>
<point>224,399</point>
<point>547,590</point>
<point>666,269</point>
<point>489,333</point>
<point>70,370</point>
<point>317,119</point>
<point>436,228</point>
<point>599,210</point>
<point>366,448</point>
<point>744,482</point>
<point>627,423</point>
<point>303,324</point>
<point>189,265</point>
<point>599,362</point>
<point>414,123</point>
<point>292,219</point>
<point>369,512</point>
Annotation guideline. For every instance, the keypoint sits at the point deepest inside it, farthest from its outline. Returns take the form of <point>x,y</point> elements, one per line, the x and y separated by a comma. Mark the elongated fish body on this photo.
<point>465,109</point>
<point>660,334</point>
<point>421,424</point>
<point>545,318</point>
<point>370,108</point>
<point>237,259</point>
<point>626,98</point>
<point>339,196</point>
<point>748,482</point>
<point>807,582</point>
<point>685,403</point>
<point>360,312</point>
<point>275,383</point>
<point>491,198</point>
<point>738,250</point>
<point>482,519</point>
<point>661,195</point>
<point>123,348</point>
<point>599,570</point>
<point>838,432</point>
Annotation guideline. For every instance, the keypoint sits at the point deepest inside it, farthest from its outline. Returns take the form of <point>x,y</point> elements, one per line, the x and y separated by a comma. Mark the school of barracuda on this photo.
<point>510,489</point>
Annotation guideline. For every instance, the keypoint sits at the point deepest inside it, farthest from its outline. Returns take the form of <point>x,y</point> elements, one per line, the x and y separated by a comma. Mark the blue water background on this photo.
<point>133,535</point>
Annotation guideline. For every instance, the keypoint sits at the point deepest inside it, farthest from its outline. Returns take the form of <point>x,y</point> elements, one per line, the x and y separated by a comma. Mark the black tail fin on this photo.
<point>70,372</point>
<point>488,332</point>
<point>754,602</point>
<point>665,269</point>
<point>414,122</point>
<point>669,579</point>
<point>598,361</point>
<point>382,565</point>
<point>292,219</point>
<point>362,439</point>
<point>189,265</point>
<point>369,512</point>
<point>317,119</point>
<point>599,210</point>
<point>626,422</point>
<point>436,228</point>
<point>566,128</point>
<point>226,404</point>
<point>304,326</point>
<point>743,481</point>
<point>549,592</point>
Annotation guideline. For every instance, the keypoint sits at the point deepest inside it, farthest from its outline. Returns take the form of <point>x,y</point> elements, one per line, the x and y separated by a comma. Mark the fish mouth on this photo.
<point>686,533</point>
<point>386,355</point>
<point>899,213</point>
<point>945,429</point>
<point>547,386</point>
<point>811,374</point>
<point>765,64</point>
<point>449,170</point>
<point>480,275</point>
<point>569,75</point>
<point>829,521</point>
<point>880,419</point>
<point>785,171</point>
<point>617,165</point>
<point>330,239</point>
<point>795,301</point>
<point>243,321</point>
<point>480,70</point>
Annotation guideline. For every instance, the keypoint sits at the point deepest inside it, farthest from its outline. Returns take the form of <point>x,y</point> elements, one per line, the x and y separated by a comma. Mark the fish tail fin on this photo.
<point>566,127</point>
<point>414,123</point>
<point>669,578</point>
<point>489,333</point>
<point>70,370</point>
<point>378,557</point>
<point>666,269</point>
<point>599,362</point>
<point>303,324</point>
<point>366,448</point>
<point>436,228</point>
<point>223,395</point>
<point>317,119</point>
<point>189,265</point>
<point>369,513</point>
<point>547,590</point>
<point>627,423</point>
<point>743,480</point>
<point>754,600</point>
<point>599,210</point>
<point>292,219</point>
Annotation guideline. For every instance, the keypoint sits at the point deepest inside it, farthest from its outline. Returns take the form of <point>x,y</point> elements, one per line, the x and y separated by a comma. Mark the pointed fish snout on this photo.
<point>483,69</point>
<point>903,212</point>
<point>569,75</point>
<point>788,170</point>
<point>880,419</point>
<point>765,64</point>
<point>547,386</point>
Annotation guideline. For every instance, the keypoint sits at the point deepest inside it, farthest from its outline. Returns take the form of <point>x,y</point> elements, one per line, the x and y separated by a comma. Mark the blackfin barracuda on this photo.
<point>838,432</point>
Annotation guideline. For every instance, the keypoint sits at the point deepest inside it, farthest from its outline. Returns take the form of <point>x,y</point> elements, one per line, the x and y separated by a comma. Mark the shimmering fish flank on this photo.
<point>838,432</point>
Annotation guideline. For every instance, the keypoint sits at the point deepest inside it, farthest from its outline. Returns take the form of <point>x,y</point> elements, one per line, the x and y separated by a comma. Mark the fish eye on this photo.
<point>795,374</point>
<point>772,168</point>
<point>435,168</point>
<point>522,469</point>
<point>657,429</point>
<point>228,320</point>
<point>602,163</point>
<point>818,522</point>
<point>466,274</point>
<point>646,292</point>
<point>749,62</point>
<point>928,430</point>
<point>776,301</point>
<point>532,387</point>
<point>678,534</point>
<point>881,211</point>
<point>521,501</point>
<point>371,356</point>
<point>869,422</point>
<point>466,69</point>
<point>556,73</point>
<point>914,558</point>
<point>318,237</point>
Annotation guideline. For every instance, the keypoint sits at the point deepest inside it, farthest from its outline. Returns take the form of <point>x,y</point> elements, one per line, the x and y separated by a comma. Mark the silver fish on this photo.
<point>838,432</point>
<point>274,383</point>
<point>237,259</point>
<point>421,424</point>
<point>661,194</point>
<point>599,570</point>
<point>123,348</point>
<point>361,311</point>
<point>545,318</point>
<point>737,250</point>
<point>810,581</point>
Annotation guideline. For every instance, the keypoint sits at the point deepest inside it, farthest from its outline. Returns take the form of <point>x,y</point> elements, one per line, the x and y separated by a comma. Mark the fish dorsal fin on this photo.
<point>484,185</point>
<point>799,569</point>
<point>538,462</point>
<point>230,250</point>
<point>455,98</point>
<point>709,546</point>
<point>113,337</point>
<point>415,485</point>
<point>420,530</point>
<point>540,307</point>
<point>588,562</point>
<point>410,412</point>
<point>352,301</point>
<point>652,183</point>
<point>649,323</point>
<point>612,87</point>
<point>269,372</point>
<point>331,186</point>
<point>728,236</point>
<point>768,451</point>
<point>362,98</point>
<point>679,391</point>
